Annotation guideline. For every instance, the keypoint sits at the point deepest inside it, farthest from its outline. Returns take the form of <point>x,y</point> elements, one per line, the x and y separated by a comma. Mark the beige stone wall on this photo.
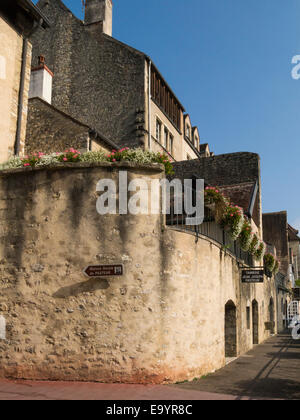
<point>199,280</point>
<point>95,147</point>
<point>180,148</point>
<point>11,46</point>
<point>187,151</point>
<point>163,321</point>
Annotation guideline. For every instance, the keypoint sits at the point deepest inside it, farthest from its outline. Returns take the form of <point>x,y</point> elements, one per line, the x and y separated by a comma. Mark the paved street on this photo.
<point>270,371</point>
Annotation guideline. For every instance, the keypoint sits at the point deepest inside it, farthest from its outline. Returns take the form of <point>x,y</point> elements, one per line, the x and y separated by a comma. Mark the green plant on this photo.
<point>246,236</point>
<point>233,221</point>
<point>254,244</point>
<point>32,160</point>
<point>260,252</point>
<point>269,262</point>
<point>276,267</point>
<point>141,156</point>
<point>70,155</point>
<point>213,195</point>
<point>298,283</point>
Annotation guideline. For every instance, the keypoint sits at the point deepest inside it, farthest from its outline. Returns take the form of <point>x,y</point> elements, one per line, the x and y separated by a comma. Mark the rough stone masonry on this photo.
<point>162,322</point>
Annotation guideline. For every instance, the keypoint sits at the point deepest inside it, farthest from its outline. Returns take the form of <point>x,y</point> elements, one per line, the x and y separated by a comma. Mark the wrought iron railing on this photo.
<point>212,230</point>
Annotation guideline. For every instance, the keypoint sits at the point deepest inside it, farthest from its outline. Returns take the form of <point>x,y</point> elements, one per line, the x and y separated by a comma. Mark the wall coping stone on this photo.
<point>151,167</point>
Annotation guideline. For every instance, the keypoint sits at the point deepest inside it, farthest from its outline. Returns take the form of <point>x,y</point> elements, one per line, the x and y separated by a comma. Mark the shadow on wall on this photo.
<point>86,286</point>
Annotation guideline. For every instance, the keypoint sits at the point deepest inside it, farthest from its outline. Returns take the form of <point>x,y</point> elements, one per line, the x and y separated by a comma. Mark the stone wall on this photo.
<point>275,227</point>
<point>162,322</point>
<point>97,80</point>
<point>50,131</point>
<point>228,170</point>
<point>11,48</point>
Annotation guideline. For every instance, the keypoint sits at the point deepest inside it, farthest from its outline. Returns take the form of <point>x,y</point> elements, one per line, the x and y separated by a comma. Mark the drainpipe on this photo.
<point>21,97</point>
<point>22,85</point>
<point>149,107</point>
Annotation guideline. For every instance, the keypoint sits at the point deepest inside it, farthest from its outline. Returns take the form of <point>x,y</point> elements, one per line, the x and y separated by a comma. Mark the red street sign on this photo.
<point>104,270</point>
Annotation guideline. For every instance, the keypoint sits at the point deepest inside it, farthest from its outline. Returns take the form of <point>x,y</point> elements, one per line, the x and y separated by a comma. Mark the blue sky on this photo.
<point>229,62</point>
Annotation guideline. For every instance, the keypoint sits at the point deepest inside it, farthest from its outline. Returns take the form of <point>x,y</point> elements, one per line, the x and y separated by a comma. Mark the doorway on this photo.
<point>272,316</point>
<point>230,330</point>
<point>255,322</point>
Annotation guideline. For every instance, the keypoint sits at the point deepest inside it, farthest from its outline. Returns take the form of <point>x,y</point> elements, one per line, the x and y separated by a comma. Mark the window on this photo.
<point>162,95</point>
<point>248,317</point>
<point>188,132</point>
<point>158,131</point>
<point>171,144</point>
<point>196,142</point>
<point>166,138</point>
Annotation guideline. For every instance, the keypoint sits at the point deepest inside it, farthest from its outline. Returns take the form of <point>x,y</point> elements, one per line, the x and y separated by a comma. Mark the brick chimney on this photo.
<point>41,81</point>
<point>98,13</point>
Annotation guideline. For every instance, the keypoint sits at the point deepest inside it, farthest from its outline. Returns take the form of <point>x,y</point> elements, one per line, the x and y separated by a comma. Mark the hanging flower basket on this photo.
<point>212,196</point>
<point>233,221</point>
<point>254,244</point>
<point>260,252</point>
<point>246,236</point>
<point>276,267</point>
<point>269,262</point>
<point>211,205</point>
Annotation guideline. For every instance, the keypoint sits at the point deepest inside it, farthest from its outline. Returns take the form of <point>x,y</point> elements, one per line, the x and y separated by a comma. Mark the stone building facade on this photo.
<point>50,130</point>
<point>177,312</point>
<point>17,22</point>
<point>294,246</point>
<point>237,175</point>
<point>109,86</point>
<point>275,231</point>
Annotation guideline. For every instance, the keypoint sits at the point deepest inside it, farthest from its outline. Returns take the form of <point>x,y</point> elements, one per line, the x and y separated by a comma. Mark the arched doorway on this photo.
<point>272,315</point>
<point>255,321</point>
<point>230,330</point>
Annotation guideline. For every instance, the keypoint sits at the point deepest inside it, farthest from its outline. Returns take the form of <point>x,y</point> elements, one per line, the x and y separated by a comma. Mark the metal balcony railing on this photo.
<point>211,230</point>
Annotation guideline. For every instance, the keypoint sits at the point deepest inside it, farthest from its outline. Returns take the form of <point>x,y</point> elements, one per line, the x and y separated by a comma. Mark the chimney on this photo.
<point>41,81</point>
<point>98,13</point>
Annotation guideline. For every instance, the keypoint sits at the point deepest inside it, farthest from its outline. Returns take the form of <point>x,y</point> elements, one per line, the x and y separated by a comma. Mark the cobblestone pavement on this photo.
<point>270,371</point>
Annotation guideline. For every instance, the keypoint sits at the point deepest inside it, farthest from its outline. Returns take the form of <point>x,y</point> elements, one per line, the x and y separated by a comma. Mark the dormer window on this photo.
<point>196,142</point>
<point>188,132</point>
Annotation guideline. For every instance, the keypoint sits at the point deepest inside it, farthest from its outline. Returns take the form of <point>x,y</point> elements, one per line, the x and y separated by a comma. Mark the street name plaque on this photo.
<point>253,276</point>
<point>104,270</point>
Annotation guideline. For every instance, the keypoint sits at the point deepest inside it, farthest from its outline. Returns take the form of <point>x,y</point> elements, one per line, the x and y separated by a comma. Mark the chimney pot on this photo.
<point>41,59</point>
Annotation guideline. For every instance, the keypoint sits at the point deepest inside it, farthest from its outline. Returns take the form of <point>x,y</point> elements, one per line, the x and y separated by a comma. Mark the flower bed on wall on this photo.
<point>72,156</point>
<point>228,215</point>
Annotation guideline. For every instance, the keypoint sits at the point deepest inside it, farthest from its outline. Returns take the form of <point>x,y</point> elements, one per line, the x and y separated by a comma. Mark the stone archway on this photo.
<point>230,330</point>
<point>272,315</point>
<point>255,322</point>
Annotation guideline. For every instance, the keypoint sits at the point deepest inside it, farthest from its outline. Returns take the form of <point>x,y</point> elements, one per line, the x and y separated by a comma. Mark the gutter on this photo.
<point>149,106</point>
<point>35,12</point>
<point>96,135</point>
<point>21,97</point>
